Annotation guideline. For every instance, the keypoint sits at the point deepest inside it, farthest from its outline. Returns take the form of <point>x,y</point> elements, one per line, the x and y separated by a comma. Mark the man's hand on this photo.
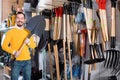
<point>27,41</point>
<point>36,39</point>
<point>16,54</point>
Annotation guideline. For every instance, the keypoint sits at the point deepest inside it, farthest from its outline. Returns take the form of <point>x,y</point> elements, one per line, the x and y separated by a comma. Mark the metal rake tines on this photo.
<point>99,51</point>
<point>96,54</point>
<point>116,71</point>
<point>112,58</point>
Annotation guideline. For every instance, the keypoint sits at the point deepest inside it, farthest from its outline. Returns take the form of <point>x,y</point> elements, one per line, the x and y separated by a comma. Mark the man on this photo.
<point>12,43</point>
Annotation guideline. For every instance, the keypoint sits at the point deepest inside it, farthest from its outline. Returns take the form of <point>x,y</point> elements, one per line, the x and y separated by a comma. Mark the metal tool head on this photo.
<point>112,58</point>
<point>112,78</point>
<point>94,52</point>
<point>36,25</point>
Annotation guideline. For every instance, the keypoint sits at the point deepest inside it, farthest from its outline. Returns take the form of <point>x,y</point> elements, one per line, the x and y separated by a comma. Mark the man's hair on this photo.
<point>20,13</point>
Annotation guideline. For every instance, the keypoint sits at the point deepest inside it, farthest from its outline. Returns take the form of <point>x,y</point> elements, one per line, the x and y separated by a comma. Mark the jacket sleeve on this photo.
<point>6,43</point>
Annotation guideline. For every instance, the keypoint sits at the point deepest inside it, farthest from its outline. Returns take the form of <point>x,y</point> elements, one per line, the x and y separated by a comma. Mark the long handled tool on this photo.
<point>89,24</point>
<point>75,5</point>
<point>47,14</point>
<point>113,53</point>
<point>55,38</point>
<point>64,39</point>
<point>103,19</point>
<point>83,38</point>
<point>69,39</point>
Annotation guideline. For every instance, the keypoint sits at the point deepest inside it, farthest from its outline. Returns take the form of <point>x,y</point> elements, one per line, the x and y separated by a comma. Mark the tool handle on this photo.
<point>55,33</point>
<point>113,37</point>
<point>60,21</point>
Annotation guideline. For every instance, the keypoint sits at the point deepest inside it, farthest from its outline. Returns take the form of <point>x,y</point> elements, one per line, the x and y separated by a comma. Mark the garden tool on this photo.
<point>99,48</point>
<point>64,38</point>
<point>103,20</point>
<point>55,39</point>
<point>91,32</point>
<point>69,38</point>
<point>47,14</point>
<point>75,5</point>
<point>112,59</point>
<point>89,24</point>
<point>112,78</point>
<point>83,39</point>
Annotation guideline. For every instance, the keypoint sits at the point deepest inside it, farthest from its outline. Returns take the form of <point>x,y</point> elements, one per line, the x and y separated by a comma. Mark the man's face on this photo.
<point>20,20</point>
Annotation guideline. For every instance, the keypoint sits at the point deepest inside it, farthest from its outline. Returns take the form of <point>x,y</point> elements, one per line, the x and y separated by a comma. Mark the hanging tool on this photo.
<point>112,60</point>
<point>103,19</point>
<point>89,22</point>
<point>75,5</point>
<point>55,47</point>
<point>64,38</point>
<point>47,14</point>
<point>83,39</point>
<point>69,38</point>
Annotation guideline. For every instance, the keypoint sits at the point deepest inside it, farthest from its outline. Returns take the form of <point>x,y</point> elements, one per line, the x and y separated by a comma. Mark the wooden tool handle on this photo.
<point>64,41</point>
<point>55,33</point>
<point>90,24</point>
<point>87,24</point>
<point>60,21</point>
<point>82,42</point>
<point>113,23</point>
<point>103,18</point>
<point>69,37</point>
<point>113,5</point>
<point>56,61</point>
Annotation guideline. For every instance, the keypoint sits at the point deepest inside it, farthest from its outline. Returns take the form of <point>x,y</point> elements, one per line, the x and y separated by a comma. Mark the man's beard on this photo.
<point>20,24</point>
